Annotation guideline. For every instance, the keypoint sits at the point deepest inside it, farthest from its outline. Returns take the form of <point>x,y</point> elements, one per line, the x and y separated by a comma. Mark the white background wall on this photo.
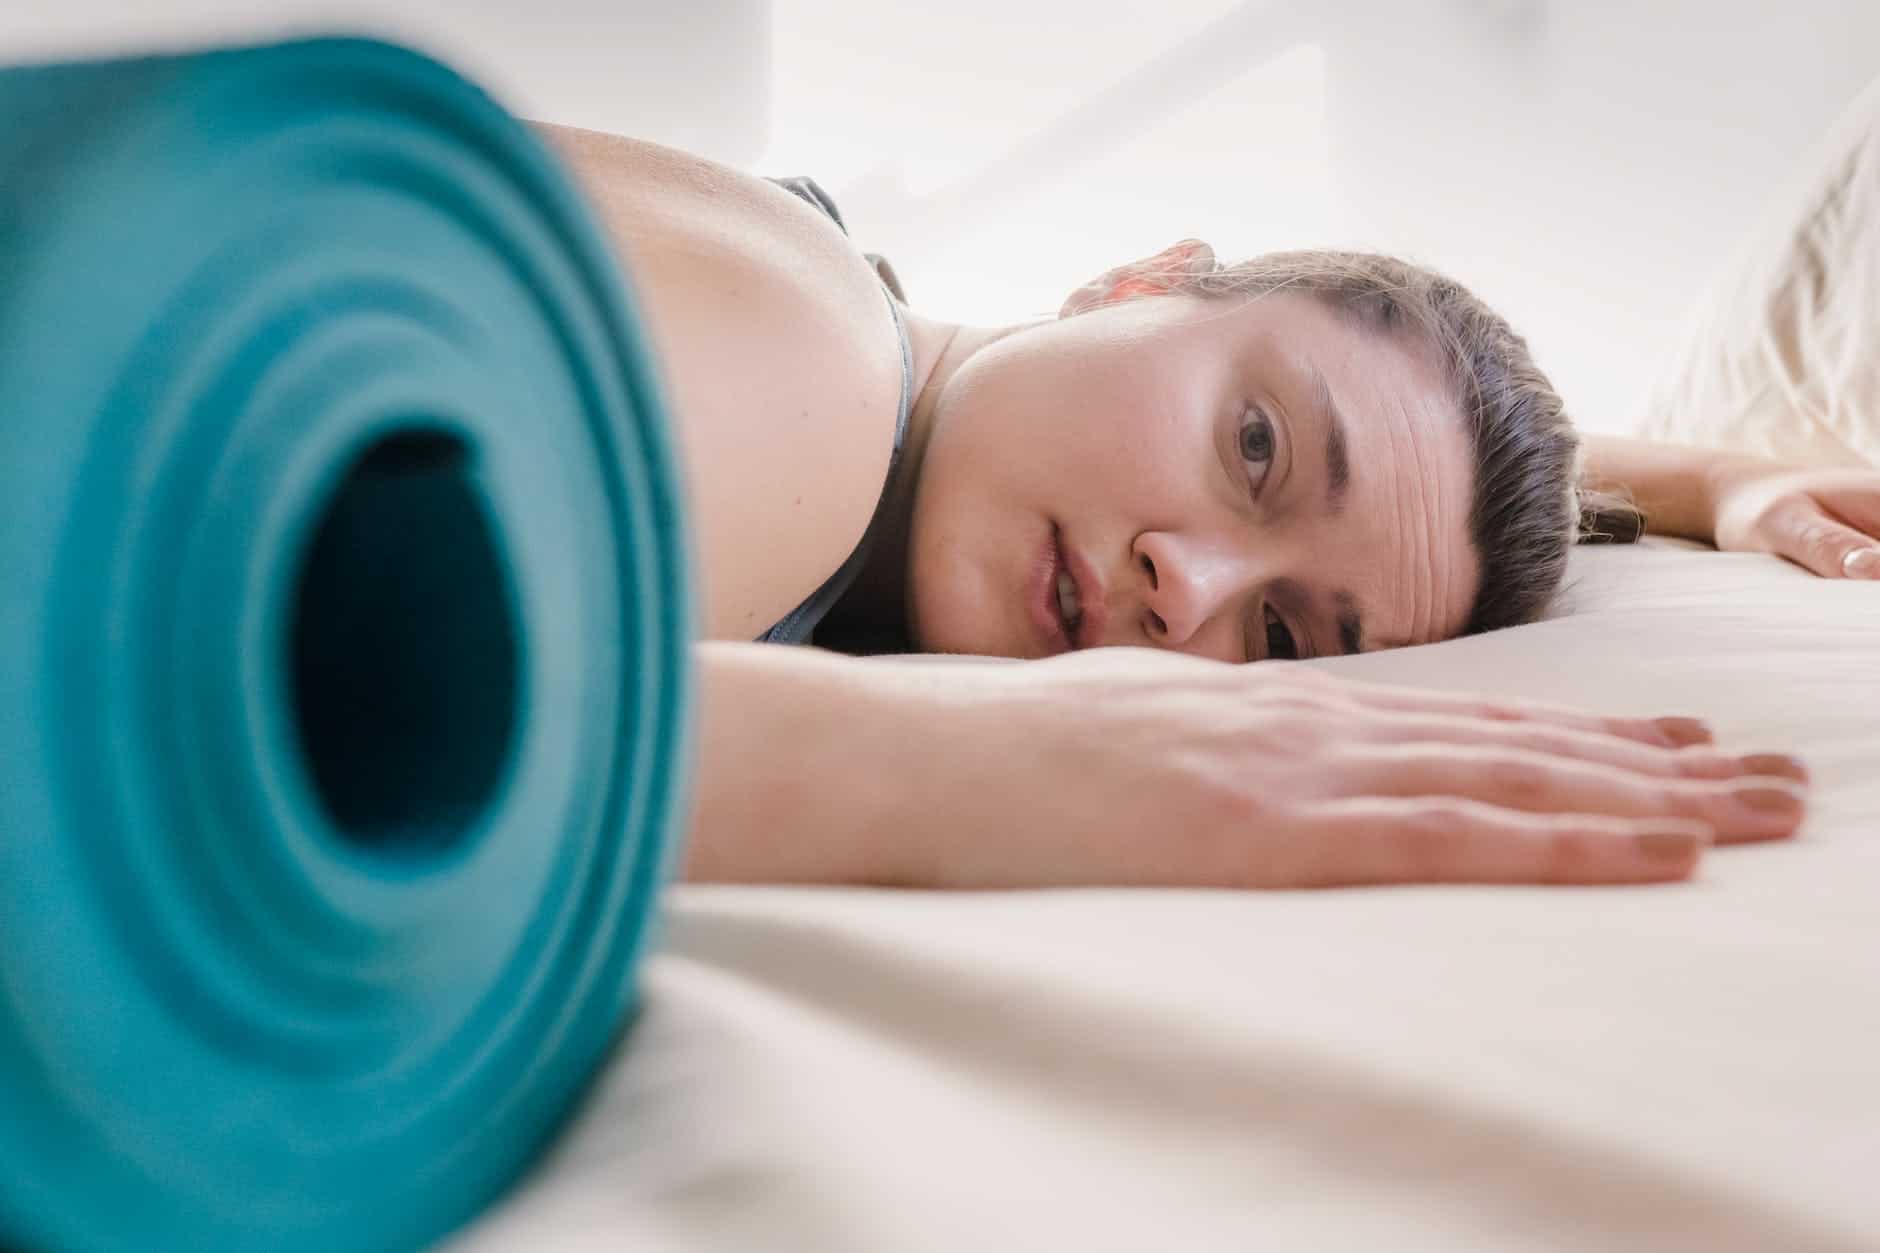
<point>1584,164</point>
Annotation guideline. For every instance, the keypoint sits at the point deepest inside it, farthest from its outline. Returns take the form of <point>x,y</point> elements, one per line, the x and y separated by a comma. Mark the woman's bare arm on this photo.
<point>806,764</point>
<point>1825,519</point>
<point>1134,766</point>
<point>1674,486</point>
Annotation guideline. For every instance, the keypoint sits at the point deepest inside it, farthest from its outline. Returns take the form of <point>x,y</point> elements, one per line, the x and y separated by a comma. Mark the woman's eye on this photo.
<point>1279,641</point>
<point>1256,444</point>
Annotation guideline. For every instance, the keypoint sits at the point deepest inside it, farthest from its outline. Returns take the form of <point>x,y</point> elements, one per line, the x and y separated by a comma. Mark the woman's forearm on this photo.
<point>819,768</point>
<point>1135,766</point>
<point>1674,486</point>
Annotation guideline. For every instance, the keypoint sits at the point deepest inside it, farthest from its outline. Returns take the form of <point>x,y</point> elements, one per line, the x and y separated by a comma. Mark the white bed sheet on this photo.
<point>1693,1067</point>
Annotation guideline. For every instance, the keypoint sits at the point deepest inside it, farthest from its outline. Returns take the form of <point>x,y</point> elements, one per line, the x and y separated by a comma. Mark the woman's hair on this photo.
<point>1529,507</point>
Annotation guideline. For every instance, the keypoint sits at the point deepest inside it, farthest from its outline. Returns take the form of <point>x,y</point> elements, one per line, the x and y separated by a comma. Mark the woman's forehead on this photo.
<point>1385,465</point>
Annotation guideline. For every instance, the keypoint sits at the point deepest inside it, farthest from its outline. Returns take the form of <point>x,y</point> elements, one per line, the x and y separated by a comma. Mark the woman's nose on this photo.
<point>1186,583</point>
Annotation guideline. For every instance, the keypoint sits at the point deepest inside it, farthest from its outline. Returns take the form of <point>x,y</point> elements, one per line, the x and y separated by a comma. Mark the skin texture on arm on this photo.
<point>1672,485</point>
<point>798,772</point>
<point>1140,766</point>
<point>1825,520</point>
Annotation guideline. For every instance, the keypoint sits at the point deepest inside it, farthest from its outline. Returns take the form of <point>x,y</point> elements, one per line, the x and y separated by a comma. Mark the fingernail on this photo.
<point>1862,563</point>
<point>1670,843</point>
<point>1684,732</point>
<point>1769,800</point>
<point>1775,764</point>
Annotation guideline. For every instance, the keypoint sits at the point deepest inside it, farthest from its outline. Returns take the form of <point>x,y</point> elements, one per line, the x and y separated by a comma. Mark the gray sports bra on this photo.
<point>799,625</point>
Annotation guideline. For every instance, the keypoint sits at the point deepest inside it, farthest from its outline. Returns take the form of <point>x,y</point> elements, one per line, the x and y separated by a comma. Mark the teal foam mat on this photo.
<point>344,650</point>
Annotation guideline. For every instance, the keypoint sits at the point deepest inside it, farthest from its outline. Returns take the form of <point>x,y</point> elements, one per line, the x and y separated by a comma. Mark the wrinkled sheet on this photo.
<point>1694,1067</point>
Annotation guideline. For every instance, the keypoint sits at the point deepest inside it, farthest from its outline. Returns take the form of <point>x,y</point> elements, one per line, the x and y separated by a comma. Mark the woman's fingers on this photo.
<point>1736,810</point>
<point>1452,840</point>
<point>1671,732</point>
<point>1859,507</point>
<point>1854,499</point>
<point>1810,538</point>
<point>1696,762</point>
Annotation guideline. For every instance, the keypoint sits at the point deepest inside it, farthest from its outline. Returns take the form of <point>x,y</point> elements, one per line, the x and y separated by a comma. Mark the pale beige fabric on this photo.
<point>1782,356</point>
<point>1668,1069</point>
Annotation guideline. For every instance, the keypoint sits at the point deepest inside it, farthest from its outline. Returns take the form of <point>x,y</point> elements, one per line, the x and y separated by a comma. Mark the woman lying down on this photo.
<point>1193,466</point>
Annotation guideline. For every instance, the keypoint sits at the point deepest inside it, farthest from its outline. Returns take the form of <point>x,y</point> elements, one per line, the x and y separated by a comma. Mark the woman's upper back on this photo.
<point>782,366</point>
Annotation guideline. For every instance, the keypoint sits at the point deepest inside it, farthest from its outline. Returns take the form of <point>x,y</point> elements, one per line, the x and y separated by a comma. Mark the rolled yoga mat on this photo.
<point>343,650</point>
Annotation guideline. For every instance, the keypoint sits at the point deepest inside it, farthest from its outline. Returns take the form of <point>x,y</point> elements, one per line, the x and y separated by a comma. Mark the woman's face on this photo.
<point>1240,479</point>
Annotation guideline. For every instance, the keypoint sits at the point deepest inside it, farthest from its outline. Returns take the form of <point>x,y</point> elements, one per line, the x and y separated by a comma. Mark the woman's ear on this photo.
<point>1151,276</point>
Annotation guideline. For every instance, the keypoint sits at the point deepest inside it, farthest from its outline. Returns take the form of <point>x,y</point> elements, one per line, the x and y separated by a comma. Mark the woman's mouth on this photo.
<point>1068,610</point>
<point>1065,601</point>
<point>1046,599</point>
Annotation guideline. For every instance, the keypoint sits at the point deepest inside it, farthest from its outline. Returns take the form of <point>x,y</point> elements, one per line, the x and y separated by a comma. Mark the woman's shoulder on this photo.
<point>781,360</point>
<point>689,226</point>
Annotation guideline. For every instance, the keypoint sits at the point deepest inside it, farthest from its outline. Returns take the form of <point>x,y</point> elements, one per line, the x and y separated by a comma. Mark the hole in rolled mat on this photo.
<point>404,648</point>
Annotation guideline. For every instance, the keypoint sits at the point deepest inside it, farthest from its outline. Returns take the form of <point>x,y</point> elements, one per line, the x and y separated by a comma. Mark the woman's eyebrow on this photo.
<point>1337,456</point>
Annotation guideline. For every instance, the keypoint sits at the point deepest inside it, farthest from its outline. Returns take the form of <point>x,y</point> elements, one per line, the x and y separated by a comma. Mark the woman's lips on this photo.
<point>1047,616</point>
<point>1092,599</point>
<point>1042,599</point>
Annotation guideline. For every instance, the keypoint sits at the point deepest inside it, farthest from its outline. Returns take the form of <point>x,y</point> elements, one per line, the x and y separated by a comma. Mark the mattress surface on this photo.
<point>1692,1067</point>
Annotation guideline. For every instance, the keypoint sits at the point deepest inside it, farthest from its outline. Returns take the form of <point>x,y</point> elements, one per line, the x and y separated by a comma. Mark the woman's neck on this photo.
<point>876,606</point>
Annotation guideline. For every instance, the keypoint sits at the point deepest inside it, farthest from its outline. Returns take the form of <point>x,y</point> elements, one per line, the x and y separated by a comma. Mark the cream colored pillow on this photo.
<point>1783,355</point>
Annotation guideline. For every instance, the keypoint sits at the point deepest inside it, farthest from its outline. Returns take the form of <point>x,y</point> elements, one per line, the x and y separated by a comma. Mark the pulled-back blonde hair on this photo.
<point>1528,508</point>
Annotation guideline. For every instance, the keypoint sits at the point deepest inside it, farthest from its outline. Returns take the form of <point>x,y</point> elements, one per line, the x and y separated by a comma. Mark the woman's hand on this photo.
<point>1827,521</point>
<point>1134,766</point>
<point>1816,517</point>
